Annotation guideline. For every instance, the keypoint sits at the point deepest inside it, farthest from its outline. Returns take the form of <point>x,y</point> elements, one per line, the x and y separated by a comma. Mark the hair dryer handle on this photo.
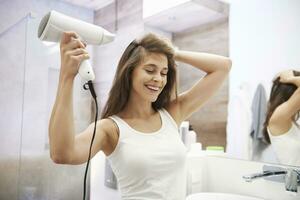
<point>86,70</point>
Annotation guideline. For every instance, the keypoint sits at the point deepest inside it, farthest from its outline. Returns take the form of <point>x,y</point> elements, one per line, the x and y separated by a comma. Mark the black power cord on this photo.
<point>89,86</point>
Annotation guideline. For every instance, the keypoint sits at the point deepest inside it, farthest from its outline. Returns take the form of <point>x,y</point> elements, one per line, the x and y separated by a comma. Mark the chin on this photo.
<point>152,99</point>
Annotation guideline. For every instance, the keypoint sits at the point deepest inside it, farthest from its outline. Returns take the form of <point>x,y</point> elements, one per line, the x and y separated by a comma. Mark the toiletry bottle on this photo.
<point>184,129</point>
<point>191,137</point>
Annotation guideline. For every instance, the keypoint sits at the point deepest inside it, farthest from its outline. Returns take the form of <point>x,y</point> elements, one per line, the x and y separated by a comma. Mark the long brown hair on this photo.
<point>280,93</point>
<point>133,56</point>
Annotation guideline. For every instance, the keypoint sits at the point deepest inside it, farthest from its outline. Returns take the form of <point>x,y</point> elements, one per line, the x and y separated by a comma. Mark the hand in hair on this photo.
<point>289,77</point>
<point>284,103</point>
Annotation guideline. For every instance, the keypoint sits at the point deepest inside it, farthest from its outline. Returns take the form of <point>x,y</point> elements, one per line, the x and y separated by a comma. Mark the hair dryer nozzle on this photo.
<point>42,26</point>
<point>107,37</point>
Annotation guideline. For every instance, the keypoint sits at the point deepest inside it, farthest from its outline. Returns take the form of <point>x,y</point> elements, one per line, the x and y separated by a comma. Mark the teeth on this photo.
<point>153,88</point>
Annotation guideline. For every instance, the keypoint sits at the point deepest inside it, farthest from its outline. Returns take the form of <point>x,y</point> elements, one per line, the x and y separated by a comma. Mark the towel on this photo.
<point>259,109</point>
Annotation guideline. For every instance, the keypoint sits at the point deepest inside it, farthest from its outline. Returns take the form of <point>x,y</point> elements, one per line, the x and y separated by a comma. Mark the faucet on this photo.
<point>251,177</point>
<point>291,177</point>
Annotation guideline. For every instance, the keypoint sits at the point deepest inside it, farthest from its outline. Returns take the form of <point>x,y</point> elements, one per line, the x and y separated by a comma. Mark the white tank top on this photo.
<point>150,166</point>
<point>287,146</point>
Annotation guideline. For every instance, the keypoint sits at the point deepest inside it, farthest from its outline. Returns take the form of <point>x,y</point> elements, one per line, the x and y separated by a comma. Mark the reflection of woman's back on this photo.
<point>287,146</point>
<point>281,128</point>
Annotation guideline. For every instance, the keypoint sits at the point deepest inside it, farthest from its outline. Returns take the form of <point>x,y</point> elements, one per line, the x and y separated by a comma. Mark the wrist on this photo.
<point>176,53</point>
<point>66,78</point>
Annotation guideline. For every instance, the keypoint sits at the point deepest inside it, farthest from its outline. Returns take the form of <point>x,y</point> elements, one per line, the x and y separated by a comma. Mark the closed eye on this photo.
<point>149,71</point>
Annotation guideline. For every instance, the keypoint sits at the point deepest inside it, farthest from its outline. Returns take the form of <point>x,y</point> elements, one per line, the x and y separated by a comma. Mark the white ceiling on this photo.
<point>179,18</point>
<point>91,4</point>
<point>185,16</point>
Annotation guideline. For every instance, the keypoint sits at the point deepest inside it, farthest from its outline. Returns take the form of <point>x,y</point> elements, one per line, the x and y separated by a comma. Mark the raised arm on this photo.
<point>65,148</point>
<point>217,69</point>
<point>282,118</point>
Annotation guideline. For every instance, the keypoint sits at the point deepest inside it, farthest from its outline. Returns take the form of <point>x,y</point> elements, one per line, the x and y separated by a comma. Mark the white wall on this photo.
<point>264,40</point>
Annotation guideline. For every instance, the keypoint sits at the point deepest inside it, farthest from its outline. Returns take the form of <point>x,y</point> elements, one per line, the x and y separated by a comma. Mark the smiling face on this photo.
<point>150,77</point>
<point>146,73</point>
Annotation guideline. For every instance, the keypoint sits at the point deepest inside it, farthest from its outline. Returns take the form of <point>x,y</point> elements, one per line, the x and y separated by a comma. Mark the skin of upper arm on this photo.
<point>191,100</point>
<point>83,141</point>
<point>282,117</point>
<point>281,120</point>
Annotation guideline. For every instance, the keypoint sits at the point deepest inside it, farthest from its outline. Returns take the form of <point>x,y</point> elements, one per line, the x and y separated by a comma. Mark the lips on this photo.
<point>153,88</point>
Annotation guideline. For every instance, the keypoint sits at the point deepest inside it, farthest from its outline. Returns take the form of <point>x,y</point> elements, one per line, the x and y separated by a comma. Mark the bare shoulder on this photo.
<point>106,133</point>
<point>107,125</point>
<point>111,134</point>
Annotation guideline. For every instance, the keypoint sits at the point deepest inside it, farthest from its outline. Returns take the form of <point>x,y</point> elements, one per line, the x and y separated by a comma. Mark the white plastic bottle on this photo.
<point>184,130</point>
<point>191,137</point>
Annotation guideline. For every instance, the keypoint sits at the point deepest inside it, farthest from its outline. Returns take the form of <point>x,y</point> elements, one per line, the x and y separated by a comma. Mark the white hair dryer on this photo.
<point>54,24</point>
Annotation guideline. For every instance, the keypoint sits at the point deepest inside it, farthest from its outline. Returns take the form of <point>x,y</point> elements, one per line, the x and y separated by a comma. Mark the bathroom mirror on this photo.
<point>263,42</point>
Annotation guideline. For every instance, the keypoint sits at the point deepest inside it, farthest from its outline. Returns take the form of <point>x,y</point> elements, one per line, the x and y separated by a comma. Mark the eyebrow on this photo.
<point>153,65</point>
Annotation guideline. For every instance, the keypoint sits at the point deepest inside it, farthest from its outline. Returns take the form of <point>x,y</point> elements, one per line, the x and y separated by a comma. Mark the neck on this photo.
<point>137,108</point>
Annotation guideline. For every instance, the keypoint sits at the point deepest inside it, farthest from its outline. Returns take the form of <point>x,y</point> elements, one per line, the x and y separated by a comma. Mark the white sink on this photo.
<point>220,196</point>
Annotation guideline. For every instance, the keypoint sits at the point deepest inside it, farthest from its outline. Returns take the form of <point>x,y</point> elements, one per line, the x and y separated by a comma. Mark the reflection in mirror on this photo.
<point>281,129</point>
<point>271,121</point>
<point>262,45</point>
<point>258,111</point>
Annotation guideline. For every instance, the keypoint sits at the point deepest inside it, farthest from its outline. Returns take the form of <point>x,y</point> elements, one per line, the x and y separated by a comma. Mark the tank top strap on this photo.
<point>167,117</point>
<point>121,126</point>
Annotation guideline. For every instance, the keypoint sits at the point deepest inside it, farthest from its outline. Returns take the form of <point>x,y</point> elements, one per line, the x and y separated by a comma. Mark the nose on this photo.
<point>157,77</point>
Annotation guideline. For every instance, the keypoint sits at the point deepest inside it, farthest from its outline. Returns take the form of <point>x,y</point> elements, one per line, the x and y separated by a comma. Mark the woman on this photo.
<point>280,127</point>
<point>138,131</point>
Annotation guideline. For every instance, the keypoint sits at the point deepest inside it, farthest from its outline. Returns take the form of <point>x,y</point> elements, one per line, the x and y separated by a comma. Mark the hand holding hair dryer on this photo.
<point>53,24</point>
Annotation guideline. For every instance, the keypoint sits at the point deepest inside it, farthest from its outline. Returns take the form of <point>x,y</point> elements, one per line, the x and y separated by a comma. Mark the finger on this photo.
<point>78,51</point>
<point>85,44</point>
<point>82,41</point>
<point>285,79</point>
<point>290,81</point>
<point>76,43</point>
<point>81,57</point>
<point>286,76</point>
<point>67,35</point>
